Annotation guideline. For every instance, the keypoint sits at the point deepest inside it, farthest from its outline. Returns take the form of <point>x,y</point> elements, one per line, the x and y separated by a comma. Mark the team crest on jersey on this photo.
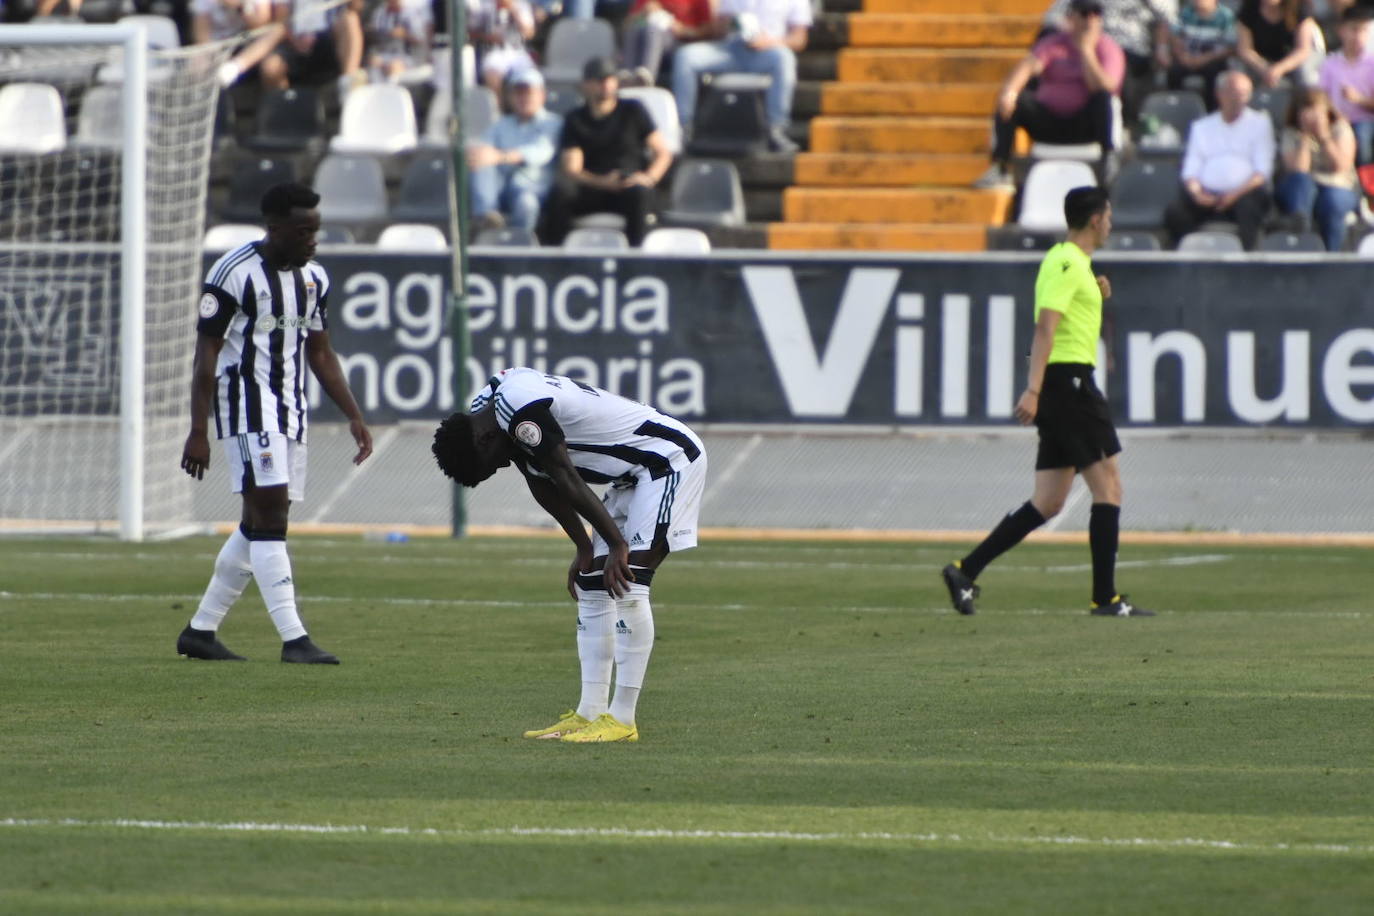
<point>310,294</point>
<point>209,305</point>
<point>265,459</point>
<point>528,432</point>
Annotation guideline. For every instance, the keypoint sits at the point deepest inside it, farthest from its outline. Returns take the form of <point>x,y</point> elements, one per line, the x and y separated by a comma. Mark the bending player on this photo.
<point>563,435</point>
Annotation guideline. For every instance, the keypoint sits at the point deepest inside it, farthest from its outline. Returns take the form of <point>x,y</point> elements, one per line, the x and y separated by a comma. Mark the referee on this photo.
<point>1064,403</point>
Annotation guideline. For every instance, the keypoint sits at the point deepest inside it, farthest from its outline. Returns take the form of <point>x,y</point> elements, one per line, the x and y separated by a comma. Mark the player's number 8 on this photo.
<point>263,440</point>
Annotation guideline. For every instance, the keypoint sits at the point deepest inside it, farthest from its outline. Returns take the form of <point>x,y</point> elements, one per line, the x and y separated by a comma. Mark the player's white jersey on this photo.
<point>264,317</point>
<point>609,438</point>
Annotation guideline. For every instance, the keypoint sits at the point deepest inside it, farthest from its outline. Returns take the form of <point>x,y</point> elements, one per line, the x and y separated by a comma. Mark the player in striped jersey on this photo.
<point>563,435</point>
<point>262,321</point>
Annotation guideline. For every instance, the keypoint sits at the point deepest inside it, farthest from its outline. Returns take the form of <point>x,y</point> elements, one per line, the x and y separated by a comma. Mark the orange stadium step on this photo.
<point>894,65</point>
<point>895,205</point>
<point>900,135</point>
<point>905,30</point>
<point>966,99</point>
<point>1034,8</point>
<point>844,170</point>
<point>877,237</point>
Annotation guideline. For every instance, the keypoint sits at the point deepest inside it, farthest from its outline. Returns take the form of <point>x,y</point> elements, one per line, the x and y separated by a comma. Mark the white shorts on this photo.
<point>272,459</point>
<point>664,509</point>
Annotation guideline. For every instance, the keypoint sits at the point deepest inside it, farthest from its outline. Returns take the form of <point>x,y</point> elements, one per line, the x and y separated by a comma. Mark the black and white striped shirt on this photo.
<point>264,317</point>
<point>609,438</point>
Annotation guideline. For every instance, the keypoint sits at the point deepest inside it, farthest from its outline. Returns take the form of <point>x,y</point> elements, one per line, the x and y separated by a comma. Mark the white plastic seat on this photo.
<point>1211,241</point>
<point>100,123</point>
<point>1366,248</point>
<point>31,119</point>
<point>378,119</point>
<point>1042,197</point>
<point>662,108</point>
<point>596,240</point>
<point>481,108</point>
<point>676,240</point>
<point>573,42</point>
<point>227,236</point>
<point>161,30</point>
<point>412,237</point>
<point>352,189</point>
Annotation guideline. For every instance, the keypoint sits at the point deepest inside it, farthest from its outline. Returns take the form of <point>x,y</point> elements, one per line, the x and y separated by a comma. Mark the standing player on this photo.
<point>262,320</point>
<point>563,435</point>
<point>1064,403</point>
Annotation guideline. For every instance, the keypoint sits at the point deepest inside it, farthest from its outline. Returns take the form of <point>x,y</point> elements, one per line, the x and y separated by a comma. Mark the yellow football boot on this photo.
<point>605,728</point>
<point>567,723</point>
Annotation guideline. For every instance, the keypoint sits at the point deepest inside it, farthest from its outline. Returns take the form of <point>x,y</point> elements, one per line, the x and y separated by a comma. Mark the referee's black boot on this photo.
<point>1119,607</point>
<point>962,591</point>
<point>205,645</point>
<point>302,651</point>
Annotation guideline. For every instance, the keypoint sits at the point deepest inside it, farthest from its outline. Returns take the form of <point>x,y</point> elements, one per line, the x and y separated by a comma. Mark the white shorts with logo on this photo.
<point>272,459</point>
<point>667,507</point>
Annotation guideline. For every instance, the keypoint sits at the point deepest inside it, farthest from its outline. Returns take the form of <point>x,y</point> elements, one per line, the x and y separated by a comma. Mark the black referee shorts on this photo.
<point>1075,426</point>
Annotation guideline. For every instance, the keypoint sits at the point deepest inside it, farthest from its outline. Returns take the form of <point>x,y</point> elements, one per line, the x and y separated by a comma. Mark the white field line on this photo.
<point>682,835</point>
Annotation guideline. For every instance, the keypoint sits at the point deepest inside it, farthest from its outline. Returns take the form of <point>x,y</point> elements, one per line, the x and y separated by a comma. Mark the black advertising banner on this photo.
<point>751,338</point>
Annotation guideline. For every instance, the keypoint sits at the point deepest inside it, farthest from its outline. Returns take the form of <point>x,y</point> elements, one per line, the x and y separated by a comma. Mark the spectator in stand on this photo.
<point>1141,28</point>
<point>1319,181</point>
<point>752,36</point>
<point>320,45</point>
<point>217,20</point>
<point>612,157</point>
<point>512,168</point>
<point>654,29</point>
<point>1227,166</point>
<point>1202,41</point>
<point>498,30</point>
<point>1079,70</point>
<point>399,36</point>
<point>1348,79</point>
<point>1277,41</point>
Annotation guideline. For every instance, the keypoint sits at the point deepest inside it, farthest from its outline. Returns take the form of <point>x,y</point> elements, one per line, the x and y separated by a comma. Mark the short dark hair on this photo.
<point>1357,14</point>
<point>1082,204</point>
<point>455,448</point>
<point>279,200</point>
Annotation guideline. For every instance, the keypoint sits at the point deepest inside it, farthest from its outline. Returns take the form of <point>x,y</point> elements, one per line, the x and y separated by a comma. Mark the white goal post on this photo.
<point>117,191</point>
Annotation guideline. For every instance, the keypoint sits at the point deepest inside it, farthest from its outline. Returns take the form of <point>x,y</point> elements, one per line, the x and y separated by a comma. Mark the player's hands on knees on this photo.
<point>582,563</point>
<point>195,455</point>
<point>617,573</point>
<point>1027,406</point>
<point>363,437</point>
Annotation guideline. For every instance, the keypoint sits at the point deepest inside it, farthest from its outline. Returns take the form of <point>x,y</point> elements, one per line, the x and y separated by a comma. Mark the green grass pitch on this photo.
<point>820,734</point>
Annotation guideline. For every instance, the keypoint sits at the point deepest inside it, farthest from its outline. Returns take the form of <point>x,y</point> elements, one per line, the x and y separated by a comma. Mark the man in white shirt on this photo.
<point>1227,167</point>
<point>755,36</point>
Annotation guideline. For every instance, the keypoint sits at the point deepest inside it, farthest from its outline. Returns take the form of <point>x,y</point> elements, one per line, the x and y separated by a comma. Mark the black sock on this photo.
<point>1104,530</point>
<point>1008,533</point>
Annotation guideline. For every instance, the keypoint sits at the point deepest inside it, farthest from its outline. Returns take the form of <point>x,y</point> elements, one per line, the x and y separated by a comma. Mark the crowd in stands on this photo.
<point>1263,129</point>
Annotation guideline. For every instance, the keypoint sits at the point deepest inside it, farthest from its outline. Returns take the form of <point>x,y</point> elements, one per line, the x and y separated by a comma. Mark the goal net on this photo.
<point>102,212</point>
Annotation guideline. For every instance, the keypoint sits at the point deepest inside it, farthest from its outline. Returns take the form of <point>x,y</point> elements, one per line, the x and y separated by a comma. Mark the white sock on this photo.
<point>272,569</point>
<point>233,569</point>
<point>634,641</point>
<point>595,649</point>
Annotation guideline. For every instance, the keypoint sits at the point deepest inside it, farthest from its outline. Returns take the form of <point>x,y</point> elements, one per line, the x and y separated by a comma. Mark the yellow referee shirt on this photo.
<point>1066,285</point>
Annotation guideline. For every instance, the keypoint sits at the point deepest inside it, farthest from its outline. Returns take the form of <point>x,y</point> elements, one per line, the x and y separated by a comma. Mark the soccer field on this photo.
<point>820,734</point>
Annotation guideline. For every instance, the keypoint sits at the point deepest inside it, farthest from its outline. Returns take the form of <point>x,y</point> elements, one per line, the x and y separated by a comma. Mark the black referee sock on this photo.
<point>1008,533</point>
<point>1104,531</point>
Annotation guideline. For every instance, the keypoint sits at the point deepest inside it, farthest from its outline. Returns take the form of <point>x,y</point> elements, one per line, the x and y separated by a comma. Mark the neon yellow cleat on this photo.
<point>605,728</point>
<point>567,723</point>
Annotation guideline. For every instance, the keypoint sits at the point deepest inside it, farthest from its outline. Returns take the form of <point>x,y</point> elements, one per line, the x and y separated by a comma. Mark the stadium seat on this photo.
<point>480,106</point>
<point>507,237</point>
<point>563,99</point>
<point>378,118</point>
<point>1177,111</point>
<point>1086,152</point>
<point>412,237</point>
<point>706,192</point>
<point>730,119</point>
<point>31,119</point>
<point>161,30</point>
<point>423,197</point>
<point>573,42</point>
<point>288,120</point>
<point>335,235</point>
<point>1273,100</point>
<point>676,240</point>
<point>226,126</point>
<point>1143,191</point>
<point>249,180</point>
<point>1366,246</point>
<point>1305,242</point>
<point>1211,241</point>
<point>599,221</point>
<point>662,109</point>
<point>1132,240</point>
<point>1042,196</point>
<point>591,239</point>
<point>99,124</point>
<point>1014,238</point>
<point>352,189</point>
<point>231,235</point>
